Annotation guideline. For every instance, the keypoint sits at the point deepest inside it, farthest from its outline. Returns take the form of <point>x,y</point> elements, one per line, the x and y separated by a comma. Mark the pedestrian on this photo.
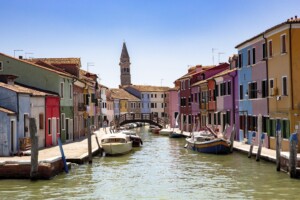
<point>104,126</point>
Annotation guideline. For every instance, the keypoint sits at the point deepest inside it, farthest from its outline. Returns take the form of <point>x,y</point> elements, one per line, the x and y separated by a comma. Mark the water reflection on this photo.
<point>161,169</point>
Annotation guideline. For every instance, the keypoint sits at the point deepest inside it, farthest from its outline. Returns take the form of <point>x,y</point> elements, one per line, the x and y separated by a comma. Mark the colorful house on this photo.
<point>8,133</point>
<point>173,106</point>
<point>283,63</point>
<point>45,79</point>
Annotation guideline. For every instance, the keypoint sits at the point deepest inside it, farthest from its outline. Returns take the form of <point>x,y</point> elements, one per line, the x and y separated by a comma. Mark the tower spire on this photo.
<point>125,66</point>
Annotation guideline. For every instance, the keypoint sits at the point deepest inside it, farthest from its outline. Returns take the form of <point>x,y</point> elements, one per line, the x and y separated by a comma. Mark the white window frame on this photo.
<point>1,66</point>
<point>62,89</point>
<point>63,121</point>
<point>282,86</point>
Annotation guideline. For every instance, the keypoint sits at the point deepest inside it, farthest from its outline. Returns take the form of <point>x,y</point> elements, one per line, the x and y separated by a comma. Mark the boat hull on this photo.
<point>117,148</point>
<point>217,146</point>
<point>176,135</point>
<point>165,132</point>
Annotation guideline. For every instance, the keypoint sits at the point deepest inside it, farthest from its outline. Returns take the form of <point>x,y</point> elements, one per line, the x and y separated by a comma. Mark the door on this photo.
<point>12,136</point>
<point>53,130</point>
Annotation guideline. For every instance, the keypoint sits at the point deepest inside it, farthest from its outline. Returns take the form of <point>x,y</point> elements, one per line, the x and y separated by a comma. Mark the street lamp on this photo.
<point>15,52</point>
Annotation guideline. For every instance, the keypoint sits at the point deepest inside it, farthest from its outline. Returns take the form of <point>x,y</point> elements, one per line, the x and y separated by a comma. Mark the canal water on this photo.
<point>161,169</point>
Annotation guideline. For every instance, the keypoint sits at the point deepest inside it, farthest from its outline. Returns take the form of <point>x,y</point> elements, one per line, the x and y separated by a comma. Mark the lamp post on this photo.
<point>15,51</point>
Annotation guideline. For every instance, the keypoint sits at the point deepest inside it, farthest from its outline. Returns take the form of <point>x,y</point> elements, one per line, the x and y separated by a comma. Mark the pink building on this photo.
<point>173,108</point>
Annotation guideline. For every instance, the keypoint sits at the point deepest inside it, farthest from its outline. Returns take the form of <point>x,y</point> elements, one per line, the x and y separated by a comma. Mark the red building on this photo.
<point>52,120</point>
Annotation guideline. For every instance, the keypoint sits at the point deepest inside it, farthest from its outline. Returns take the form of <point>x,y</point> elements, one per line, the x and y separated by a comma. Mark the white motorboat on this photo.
<point>116,144</point>
<point>165,132</point>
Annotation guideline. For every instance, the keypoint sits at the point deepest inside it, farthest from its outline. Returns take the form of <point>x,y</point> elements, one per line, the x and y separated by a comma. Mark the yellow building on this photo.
<point>283,61</point>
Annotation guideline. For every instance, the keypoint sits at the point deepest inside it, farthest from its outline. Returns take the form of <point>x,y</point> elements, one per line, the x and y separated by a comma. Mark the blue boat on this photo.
<point>208,144</point>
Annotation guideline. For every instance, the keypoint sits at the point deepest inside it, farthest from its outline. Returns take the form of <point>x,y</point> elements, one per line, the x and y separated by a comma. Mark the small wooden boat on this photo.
<point>116,144</point>
<point>136,139</point>
<point>155,130</point>
<point>209,144</point>
<point>206,142</point>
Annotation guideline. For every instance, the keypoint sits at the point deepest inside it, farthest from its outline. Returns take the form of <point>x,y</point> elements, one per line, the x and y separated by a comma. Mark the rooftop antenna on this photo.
<point>15,52</point>
<point>89,64</point>
<point>213,56</point>
<point>28,53</point>
<point>219,56</point>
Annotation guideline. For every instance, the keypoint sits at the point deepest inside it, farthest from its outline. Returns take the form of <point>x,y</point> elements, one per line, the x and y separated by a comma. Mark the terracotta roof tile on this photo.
<point>20,89</point>
<point>149,88</point>
<point>122,94</point>
<point>6,111</point>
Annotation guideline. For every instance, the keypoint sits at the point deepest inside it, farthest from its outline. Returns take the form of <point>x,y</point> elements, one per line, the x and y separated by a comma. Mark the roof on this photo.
<point>174,88</point>
<point>59,61</point>
<point>192,71</point>
<point>122,94</point>
<point>20,89</point>
<point>6,111</point>
<point>288,21</point>
<point>148,88</point>
<point>36,65</point>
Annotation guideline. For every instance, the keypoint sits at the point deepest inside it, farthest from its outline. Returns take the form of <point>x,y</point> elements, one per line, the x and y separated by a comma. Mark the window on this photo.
<point>41,121</point>
<point>270,48</point>
<point>49,126</point>
<point>162,105</point>
<point>70,91</point>
<point>252,90</point>
<point>183,101</point>
<point>219,118</point>
<point>249,57</point>
<point>215,119</point>
<point>63,121</point>
<point>162,95</point>
<point>148,95</point>
<point>62,90</point>
<point>209,118</point>
<point>217,90</point>
<point>142,96</point>
<point>155,95</point>
<point>264,124</point>
<point>228,117</point>
<point>151,95</point>
<point>1,66</point>
<point>229,87</point>
<point>222,89</point>
<point>240,61</point>
<point>264,49</point>
<point>253,56</point>
<point>284,86</point>
<point>264,88</point>
<point>283,44</point>
<point>241,92</point>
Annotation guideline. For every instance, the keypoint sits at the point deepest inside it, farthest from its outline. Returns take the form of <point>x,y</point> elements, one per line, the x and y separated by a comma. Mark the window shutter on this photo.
<point>268,126</point>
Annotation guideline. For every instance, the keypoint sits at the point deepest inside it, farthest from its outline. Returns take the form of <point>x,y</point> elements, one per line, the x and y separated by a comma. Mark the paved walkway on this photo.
<point>75,149</point>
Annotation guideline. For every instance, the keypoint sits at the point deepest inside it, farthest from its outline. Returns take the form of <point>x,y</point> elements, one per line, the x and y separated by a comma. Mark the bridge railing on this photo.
<point>148,117</point>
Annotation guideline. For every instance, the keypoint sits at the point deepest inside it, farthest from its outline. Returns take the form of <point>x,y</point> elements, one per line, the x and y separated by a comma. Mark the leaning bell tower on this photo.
<point>125,66</point>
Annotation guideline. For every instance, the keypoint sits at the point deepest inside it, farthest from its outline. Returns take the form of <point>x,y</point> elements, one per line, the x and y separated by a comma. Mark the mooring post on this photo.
<point>34,150</point>
<point>232,135</point>
<point>89,141</point>
<point>251,145</point>
<point>262,137</point>
<point>278,144</point>
<point>293,155</point>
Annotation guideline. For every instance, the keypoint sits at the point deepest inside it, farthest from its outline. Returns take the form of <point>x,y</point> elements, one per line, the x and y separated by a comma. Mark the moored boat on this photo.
<point>136,139</point>
<point>208,143</point>
<point>165,132</point>
<point>116,144</point>
<point>176,135</point>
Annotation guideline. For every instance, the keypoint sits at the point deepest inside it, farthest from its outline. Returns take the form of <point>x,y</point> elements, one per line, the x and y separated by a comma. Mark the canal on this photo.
<point>161,169</point>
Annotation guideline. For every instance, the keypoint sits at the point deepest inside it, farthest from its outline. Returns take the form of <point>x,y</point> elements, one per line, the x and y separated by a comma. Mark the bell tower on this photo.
<point>125,66</point>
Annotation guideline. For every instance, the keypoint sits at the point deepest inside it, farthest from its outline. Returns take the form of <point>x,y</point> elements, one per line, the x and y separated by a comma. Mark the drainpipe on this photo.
<point>233,96</point>
<point>267,72</point>
<point>291,70</point>
<point>18,106</point>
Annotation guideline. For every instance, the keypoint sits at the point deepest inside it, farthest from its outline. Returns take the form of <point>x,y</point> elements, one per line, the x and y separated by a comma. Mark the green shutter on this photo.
<point>268,121</point>
<point>288,132</point>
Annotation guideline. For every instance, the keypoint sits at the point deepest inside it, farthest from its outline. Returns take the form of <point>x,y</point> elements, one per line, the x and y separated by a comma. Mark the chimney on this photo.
<point>20,57</point>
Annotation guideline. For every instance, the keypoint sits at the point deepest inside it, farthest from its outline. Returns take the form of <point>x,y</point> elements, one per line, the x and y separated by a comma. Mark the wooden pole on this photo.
<point>89,141</point>
<point>278,144</point>
<point>293,155</point>
<point>262,137</point>
<point>251,145</point>
<point>34,150</point>
<point>232,136</point>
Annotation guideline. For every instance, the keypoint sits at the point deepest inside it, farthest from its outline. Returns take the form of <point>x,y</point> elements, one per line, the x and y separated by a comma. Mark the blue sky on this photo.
<point>163,37</point>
